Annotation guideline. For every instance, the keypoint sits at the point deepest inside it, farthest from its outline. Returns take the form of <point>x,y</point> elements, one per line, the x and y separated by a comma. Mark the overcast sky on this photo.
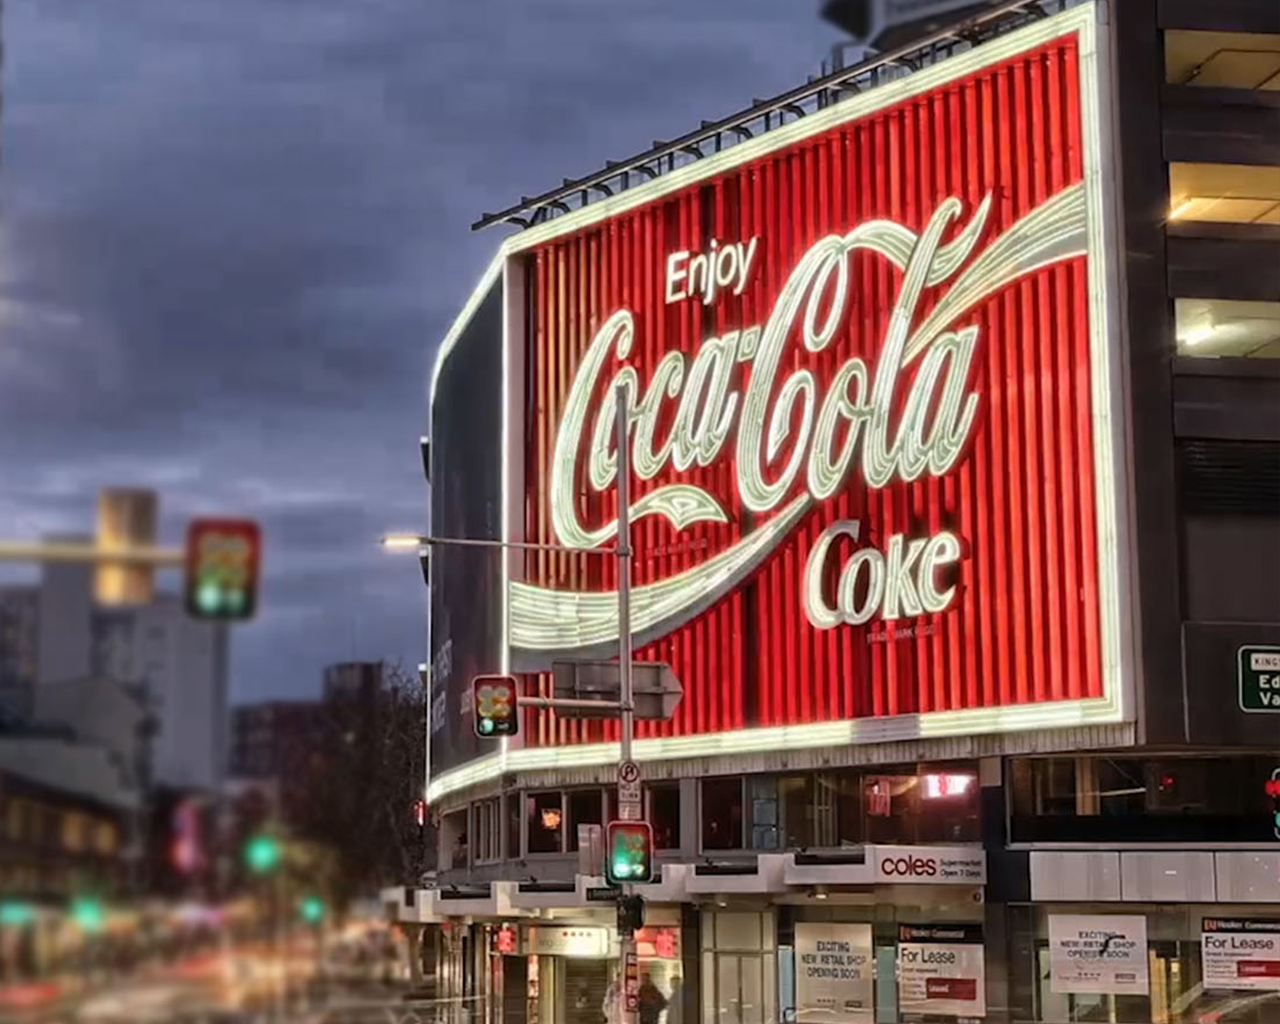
<point>232,232</point>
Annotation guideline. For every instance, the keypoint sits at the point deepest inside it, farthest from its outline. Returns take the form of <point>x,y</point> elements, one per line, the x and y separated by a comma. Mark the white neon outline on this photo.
<point>1107,411</point>
<point>1053,231</point>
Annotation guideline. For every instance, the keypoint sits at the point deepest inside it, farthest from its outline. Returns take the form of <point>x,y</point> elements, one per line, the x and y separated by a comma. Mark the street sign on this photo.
<point>629,793</point>
<point>1258,678</point>
<point>602,893</point>
<point>632,967</point>
<point>630,811</point>
<point>655,690</point>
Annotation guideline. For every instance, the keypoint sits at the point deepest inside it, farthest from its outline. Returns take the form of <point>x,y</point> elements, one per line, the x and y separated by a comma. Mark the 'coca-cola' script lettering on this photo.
<point>878,420</point>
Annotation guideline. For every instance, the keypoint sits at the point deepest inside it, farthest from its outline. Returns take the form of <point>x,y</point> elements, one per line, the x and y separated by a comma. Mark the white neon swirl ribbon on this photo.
<point>545,620</point>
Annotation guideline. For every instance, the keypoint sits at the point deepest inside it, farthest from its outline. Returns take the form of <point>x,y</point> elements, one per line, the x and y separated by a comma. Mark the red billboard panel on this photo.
<point>867,366</point>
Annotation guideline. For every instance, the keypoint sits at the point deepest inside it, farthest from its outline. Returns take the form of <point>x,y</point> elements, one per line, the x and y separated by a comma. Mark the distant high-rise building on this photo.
<point>19,644</point>
<point>353,680</point>
<point>57,632</point>
<point>267,737</point>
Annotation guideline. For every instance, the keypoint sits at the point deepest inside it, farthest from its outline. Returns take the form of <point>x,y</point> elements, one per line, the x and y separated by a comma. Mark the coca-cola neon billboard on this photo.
<point>869,361</point>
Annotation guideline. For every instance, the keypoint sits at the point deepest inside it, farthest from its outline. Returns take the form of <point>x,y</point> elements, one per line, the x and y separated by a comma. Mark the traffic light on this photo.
<point>222,568</point>
<point>87,912</point>
<point>630,914</point>
<point>496,705</point>
<point>16,914</point>
<point>311,909</point>
<point>262,854</point>
<point>629,856</point>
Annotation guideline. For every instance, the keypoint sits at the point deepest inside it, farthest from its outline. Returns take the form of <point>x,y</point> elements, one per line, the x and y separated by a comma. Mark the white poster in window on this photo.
<point>942,970</point>
<point>1098,953</point>
<point>833,974</point>
<point>1240,953</point>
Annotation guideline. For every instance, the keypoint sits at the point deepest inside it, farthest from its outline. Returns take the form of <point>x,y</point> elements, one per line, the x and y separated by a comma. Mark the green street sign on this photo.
<point>1258,672</point>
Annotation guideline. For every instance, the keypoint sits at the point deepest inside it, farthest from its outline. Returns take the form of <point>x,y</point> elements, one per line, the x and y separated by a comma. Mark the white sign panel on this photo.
<point>930,865</point>
<point>833,974</point>
<point>629,795</point>
<point>1098,953</point>
<point>942,970</point>
<point>568,941</point>
<point>1240,953</point>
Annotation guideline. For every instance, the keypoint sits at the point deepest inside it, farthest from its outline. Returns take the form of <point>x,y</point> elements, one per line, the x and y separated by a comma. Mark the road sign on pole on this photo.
<point>630,798</point>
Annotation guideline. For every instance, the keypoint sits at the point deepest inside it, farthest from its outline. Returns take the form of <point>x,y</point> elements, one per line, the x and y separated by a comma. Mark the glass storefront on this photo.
<point>846,962</point>
<point>567,973</point>
<point>1145,964</point>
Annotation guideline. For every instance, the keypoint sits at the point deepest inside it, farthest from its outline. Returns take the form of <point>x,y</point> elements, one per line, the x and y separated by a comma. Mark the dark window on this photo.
<point>513,825</point>
<point>722,814</point>
<point>1174,799</point>
<point>545,822</point>
<point>584,809</point>
<point>892,805</point>
<point>841,792</point>
<point>764,812</point>
<point>1045,787</point>
<point>796,794</point>
<point>664,813</point>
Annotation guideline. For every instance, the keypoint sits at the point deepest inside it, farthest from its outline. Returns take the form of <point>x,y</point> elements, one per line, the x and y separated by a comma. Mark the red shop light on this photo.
<point>938,786</point>
<point>504,939</point>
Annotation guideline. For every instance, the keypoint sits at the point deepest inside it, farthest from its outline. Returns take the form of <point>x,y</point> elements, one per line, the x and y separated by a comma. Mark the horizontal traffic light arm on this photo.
<point>59,551</point>
<point>579,703</point>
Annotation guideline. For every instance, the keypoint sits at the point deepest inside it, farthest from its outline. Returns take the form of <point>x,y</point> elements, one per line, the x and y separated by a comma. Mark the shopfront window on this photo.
<point>1214,328</point>
<point>828,810</point>
<point>1173,799</point>
<point>1174,965</point>
<point>545,822</point>
<point>722,813</point>
<point>664,815</point>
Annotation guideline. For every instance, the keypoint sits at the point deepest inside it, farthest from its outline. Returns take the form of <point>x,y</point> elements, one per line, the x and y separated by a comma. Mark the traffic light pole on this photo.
<point>628,1003</point>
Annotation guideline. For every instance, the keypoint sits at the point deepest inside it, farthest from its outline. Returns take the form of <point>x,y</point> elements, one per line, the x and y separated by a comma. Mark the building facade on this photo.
<point>55,633</point>
<point>954,430</point>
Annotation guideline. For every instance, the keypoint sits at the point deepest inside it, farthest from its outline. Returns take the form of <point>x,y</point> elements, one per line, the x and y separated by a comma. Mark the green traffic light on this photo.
<point>262,854</point>
<point>312,909</point>
<point>14,914</point>
<point>486,725</point>
<point>88,913</point>
<point>630,846</point>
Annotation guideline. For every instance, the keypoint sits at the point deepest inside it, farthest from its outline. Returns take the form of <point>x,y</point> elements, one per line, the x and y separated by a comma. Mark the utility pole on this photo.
<point>629,807</point>
<point>629,1003</point>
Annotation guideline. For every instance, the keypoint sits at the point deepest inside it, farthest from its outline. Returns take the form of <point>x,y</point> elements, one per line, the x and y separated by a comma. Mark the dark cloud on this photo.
<point>231,234</point>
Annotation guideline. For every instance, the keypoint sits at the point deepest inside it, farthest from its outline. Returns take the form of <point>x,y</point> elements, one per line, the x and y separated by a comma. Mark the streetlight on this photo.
<point>625,704</point>
<point>402,541</point>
